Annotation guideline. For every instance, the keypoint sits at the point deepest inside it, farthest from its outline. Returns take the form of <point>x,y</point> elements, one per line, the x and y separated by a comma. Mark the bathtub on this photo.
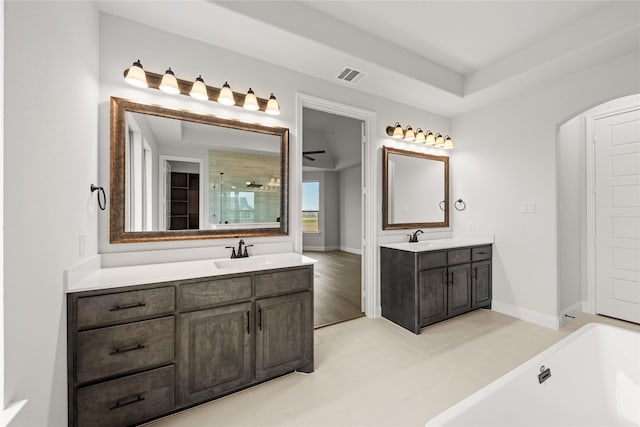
<point>593,379</point>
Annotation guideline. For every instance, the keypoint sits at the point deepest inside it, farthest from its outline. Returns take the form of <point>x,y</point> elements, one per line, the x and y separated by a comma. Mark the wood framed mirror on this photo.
<point>415,190</point>
<point>178,175</point>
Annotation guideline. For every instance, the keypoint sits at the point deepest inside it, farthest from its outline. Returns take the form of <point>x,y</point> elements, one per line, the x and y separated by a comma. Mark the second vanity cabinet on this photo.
<point>422,288</point>
<point>140,352</point>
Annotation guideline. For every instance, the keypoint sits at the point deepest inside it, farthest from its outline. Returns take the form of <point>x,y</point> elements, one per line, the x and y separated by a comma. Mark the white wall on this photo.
<point>571,212</point>
<point>50,160</point>
<point>2,346</point>
<point>122,42</point>
<point>506,153</point>
<point>350,185</point>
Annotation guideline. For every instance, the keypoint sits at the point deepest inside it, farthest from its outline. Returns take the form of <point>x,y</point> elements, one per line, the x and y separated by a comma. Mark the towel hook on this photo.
<point>102,201</point>
<point>460,205</point>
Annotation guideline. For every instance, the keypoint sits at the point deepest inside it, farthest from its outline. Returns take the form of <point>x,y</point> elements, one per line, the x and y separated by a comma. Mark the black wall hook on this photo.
<point>102,201</point>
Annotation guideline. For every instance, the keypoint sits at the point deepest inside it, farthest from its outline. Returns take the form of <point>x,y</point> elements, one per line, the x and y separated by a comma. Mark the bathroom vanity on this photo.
<point>140,348</point>
<point>427,282</point>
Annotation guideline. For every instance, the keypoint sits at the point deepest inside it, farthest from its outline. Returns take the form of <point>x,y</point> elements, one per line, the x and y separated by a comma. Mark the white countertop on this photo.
<point>114,277</point>
<point>434,245</point>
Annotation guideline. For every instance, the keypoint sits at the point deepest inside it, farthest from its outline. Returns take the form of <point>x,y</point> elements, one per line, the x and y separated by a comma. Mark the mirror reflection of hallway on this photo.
<point>332,213</point>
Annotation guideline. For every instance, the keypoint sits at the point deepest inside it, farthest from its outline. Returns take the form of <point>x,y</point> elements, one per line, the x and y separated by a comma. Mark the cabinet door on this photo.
<point>214,351</point>
<point>284,337</point>
<point>459,293</point>
<point>481,283</point>
<point>433,295</point>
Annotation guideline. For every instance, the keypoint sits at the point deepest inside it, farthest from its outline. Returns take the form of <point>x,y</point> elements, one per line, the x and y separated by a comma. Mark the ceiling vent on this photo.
<point>350,75</point>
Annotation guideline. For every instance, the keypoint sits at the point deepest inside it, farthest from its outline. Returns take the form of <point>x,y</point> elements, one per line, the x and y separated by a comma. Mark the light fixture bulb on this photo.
<point>226,95</point>
<point>199,89</point>
<point>429,139</point>
<point>398,133</point>
<point>409,135</point>
<point>273,108</point>
<point>439,140</point>
<point>169,83</point>
<point>136,76</point>
<point>420,136</point>
<point>250,101</point>
<point>448,143</point>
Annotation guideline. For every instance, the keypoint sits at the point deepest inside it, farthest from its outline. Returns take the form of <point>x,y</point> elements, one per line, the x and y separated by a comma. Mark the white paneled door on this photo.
<point>617,216</point>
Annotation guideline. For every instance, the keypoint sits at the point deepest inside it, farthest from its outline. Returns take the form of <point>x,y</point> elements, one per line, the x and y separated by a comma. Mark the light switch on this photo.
<point>528,207</point>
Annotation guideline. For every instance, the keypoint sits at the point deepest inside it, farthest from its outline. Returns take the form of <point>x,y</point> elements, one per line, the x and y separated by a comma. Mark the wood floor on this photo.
<point>337,287</point>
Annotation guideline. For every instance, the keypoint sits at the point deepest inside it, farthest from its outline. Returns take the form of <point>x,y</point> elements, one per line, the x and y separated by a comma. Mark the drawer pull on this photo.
<point>248,322</point>
<point>260,318</point>
<point>128,306</point>
<point>126,349</point>
<point>123,403</point>
<point>482,253</point>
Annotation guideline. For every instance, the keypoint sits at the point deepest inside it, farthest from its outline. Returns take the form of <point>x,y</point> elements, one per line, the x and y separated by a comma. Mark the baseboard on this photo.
<point>571,311</point>
<point>351,250</point>
<point>526,314</point>
<point>320,248</point>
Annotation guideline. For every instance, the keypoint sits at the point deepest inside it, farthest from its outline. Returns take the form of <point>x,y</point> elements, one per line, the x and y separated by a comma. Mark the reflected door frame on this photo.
<point>164,179</point>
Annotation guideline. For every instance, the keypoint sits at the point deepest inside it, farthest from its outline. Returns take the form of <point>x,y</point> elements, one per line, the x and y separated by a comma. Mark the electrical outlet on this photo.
<point>528,207</point>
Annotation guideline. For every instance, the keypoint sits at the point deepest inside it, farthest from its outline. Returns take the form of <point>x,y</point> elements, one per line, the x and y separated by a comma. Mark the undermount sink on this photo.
<point>243,262</point>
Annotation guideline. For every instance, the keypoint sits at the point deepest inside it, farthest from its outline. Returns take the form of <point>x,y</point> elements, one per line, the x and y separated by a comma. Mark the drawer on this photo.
<point>458,256</point>
<point>127,400</point>
<point>123,306</point>
<point>284,281</point>
<point>432,260</point>
<point>212,292</point>
<point>480,253</point>
<point>124,348</point>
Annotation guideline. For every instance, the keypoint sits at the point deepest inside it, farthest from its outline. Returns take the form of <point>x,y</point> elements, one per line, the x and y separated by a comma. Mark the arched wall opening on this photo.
<point>575,240</point>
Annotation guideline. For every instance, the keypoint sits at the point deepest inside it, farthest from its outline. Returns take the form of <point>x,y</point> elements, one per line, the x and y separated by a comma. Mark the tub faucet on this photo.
<point>413,238</point>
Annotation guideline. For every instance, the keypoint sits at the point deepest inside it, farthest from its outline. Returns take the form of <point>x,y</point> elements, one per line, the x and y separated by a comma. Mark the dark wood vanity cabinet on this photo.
<point>422,288</point>
<point>141,352</point>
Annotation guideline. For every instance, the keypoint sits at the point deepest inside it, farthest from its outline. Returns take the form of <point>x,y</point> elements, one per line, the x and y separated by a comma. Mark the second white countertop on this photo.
<point>114,277</point>
<point>434,245</point>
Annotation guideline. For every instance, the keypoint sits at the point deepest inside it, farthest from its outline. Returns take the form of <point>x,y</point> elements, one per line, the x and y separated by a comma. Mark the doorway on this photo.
<point>331,213</point>
<point>599,211</point>
<point>181,193</point>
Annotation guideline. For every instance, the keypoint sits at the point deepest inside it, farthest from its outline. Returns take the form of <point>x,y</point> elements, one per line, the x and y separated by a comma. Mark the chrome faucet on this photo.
<point>413,238</point>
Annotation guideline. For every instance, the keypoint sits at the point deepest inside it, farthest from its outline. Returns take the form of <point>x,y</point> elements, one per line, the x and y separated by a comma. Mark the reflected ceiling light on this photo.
<point>169,83</point>
<point>429,139</point>
<point>250,101</point>
<point>409,135</point>
<point>199,89</point>
<point>136,76</point>
<point>439,140</point>
<point>420,136</point>
<point>226,95</point>
<point>273,108</point>
<point>448,143</point>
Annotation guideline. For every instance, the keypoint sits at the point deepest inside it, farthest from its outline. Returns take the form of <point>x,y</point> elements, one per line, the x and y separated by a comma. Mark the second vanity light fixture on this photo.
<point>427,138</point>
<point>168,83</point>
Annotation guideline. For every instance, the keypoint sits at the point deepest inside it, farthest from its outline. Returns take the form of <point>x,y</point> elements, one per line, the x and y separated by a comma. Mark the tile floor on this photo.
<point>371,372</point>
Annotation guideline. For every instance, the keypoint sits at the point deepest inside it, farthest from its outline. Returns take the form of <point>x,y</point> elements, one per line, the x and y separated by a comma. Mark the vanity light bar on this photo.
<point>136,76</point>
<point>395,131</point>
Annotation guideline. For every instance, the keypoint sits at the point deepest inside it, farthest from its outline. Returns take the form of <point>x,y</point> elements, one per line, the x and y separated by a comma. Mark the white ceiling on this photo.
<point>447,57</point>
